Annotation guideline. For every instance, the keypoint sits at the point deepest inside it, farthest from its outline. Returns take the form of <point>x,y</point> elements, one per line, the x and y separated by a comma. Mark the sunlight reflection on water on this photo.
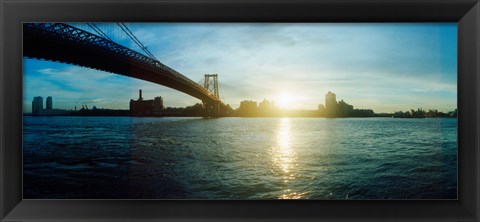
<point>285,159</point>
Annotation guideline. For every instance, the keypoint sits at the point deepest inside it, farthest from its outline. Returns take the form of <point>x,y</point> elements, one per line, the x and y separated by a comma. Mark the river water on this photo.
<point>239,158</point>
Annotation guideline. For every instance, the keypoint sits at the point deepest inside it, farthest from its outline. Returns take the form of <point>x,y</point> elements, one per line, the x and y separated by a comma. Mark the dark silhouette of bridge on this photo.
<point>67,44</point>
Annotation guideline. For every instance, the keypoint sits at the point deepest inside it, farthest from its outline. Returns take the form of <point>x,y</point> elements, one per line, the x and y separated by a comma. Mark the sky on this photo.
<point>386,67</point>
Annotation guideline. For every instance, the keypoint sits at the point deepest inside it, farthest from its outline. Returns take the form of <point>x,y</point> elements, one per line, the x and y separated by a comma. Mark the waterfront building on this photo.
<point>248,108</point>
<point>37,105</point>
<point>49,102</point>
<point>330,104</point>
<point>157,105</point>
<point>344,109</point>
<point>141,107</point>
<point>38,110</point>
<point>266,108</point>
<point>362,113</point>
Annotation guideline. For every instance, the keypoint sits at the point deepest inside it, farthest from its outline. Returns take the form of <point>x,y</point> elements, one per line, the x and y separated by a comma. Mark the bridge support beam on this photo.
<point>212,109</point>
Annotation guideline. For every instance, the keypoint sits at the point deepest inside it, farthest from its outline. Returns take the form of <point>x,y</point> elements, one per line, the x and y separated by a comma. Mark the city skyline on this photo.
<point>248,108</point>
<point>384,67</point>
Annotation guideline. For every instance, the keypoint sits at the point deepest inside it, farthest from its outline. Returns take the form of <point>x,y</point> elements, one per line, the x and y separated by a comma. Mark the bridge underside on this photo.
<point>87,55</point>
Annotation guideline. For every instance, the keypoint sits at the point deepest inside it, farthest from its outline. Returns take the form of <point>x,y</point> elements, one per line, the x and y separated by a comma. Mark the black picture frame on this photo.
<point>14,12</point>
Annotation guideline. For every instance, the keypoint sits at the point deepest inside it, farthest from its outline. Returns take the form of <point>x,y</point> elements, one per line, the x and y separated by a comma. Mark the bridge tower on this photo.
<point>211,84</point>
<point>211,80</point>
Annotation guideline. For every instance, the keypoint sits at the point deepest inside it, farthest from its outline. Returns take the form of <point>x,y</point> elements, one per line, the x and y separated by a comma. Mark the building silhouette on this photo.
<point>344,109</point>
<point>341,109</point>
<point>37,105</point>
<point>330,104</point>
<point>266,108</point>
<point>142,107</point>
<point>49,102</point>
<point>248,108</point>
<point>38,110</point>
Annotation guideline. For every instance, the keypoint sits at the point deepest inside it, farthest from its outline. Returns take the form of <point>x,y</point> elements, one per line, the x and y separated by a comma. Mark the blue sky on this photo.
<point>385,66</point>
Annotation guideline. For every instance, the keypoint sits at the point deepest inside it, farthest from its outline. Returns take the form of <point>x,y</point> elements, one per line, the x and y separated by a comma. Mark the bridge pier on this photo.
<point>212,109</point>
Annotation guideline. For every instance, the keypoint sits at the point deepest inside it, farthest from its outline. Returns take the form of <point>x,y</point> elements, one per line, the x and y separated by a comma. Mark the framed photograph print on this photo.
<point>240,110</point>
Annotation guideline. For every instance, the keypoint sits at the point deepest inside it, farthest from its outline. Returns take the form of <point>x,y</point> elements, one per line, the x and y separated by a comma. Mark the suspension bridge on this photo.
<point>69,44</point>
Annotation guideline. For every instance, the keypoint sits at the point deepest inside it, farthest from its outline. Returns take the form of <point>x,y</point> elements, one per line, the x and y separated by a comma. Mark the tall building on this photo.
<point>142,107</point>
<point>248,108</point>
<point>266,108</point>
<point>49,102</point>
<point>37,105</point>
<point>157,105</point>
<point>330,104</point>
<point>38,110</point>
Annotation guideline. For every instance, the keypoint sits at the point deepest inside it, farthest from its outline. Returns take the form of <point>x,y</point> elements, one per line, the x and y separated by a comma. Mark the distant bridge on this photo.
<point>67,44</point>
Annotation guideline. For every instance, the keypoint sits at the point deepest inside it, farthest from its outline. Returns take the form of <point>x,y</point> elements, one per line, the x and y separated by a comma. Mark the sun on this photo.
<point>283,100</point>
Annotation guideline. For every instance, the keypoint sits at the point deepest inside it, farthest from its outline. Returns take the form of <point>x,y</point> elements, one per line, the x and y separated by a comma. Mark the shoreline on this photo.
<point>166,116</point>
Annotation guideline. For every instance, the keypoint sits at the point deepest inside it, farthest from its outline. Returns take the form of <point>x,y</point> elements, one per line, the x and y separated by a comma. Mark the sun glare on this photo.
<point>284,100</point>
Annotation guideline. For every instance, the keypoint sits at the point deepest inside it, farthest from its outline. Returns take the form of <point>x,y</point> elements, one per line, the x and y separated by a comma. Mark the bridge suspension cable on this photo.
<point>135,39</point>
<point>220,91</point>
<point>116,35</point>
<point>99,31</point>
